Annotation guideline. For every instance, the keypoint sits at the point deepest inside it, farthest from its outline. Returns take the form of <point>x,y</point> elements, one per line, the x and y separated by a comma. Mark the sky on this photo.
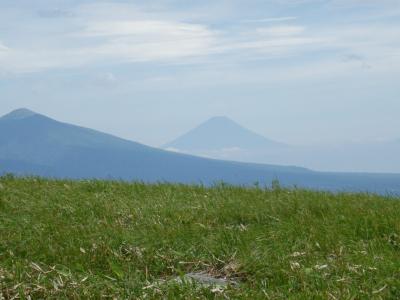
<point>296,71</point>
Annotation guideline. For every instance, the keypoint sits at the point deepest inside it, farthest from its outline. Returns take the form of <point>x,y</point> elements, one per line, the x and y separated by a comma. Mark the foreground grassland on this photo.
<point>97,239</point>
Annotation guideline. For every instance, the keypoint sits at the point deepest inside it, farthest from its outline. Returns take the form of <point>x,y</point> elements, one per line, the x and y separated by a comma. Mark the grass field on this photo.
<point>98,239</point>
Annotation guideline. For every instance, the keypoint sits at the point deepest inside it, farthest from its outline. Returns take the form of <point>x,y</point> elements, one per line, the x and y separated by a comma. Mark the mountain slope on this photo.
<point>34,138</point>
<point>33,144</point>
<point>220,133</point>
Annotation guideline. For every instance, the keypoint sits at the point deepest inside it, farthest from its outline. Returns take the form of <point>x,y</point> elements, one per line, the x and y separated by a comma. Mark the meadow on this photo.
<point>115,240</point>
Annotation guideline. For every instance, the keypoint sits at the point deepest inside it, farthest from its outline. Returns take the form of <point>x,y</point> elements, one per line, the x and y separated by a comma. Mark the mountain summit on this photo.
<point>221,133</point>
<point>19,114</point>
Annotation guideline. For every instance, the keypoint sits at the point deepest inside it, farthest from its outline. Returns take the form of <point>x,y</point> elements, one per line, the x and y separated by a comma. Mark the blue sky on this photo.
<point>298,71</point>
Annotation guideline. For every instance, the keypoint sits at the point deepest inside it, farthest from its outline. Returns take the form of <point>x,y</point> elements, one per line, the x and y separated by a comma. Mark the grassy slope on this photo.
<point>62,239</point>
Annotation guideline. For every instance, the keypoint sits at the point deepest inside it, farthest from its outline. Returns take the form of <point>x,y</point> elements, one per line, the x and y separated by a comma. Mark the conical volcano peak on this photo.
<point>19,114</point>
<point>219,133</point>
<point>221,123</point>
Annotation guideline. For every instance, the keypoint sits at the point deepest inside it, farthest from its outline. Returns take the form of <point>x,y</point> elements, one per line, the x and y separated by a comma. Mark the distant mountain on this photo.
<point>33,144</point>
<point>222,138</point>
<point>221,133</point>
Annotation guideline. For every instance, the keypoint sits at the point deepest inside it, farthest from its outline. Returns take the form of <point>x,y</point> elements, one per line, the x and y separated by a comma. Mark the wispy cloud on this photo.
<point>95,36</point>
<point>3,48</point>
<point>113,32</point>
<point>280,30</point>
<point>4,51</point>
<point>270,20</point>
<point>146,29</point>
<point>148,40</point>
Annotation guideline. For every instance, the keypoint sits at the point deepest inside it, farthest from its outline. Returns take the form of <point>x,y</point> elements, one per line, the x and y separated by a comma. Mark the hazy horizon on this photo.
<point>299,72</point>
<point>223,139</point>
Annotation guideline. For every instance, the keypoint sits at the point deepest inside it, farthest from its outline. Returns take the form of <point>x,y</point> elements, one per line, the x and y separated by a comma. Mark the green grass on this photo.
<point>98,239</point>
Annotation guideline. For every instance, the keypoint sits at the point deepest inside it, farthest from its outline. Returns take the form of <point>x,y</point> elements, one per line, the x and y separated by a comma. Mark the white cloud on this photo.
<point>4,52</point>
<point>149,40</point>
<point>146,29</point>
<point>3,48</point>
<point>93,36</point>
<point>277,47</point>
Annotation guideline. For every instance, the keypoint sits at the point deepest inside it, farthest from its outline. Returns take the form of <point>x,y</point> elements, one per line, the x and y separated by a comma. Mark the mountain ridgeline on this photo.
<point>33,144</point>
<point>220,133</point>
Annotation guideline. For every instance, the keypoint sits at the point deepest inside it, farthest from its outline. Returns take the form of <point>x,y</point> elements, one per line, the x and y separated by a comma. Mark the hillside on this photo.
<point>93,239</point>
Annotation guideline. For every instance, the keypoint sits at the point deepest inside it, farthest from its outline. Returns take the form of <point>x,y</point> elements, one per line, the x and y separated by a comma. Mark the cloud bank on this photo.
<point>107,33</point>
